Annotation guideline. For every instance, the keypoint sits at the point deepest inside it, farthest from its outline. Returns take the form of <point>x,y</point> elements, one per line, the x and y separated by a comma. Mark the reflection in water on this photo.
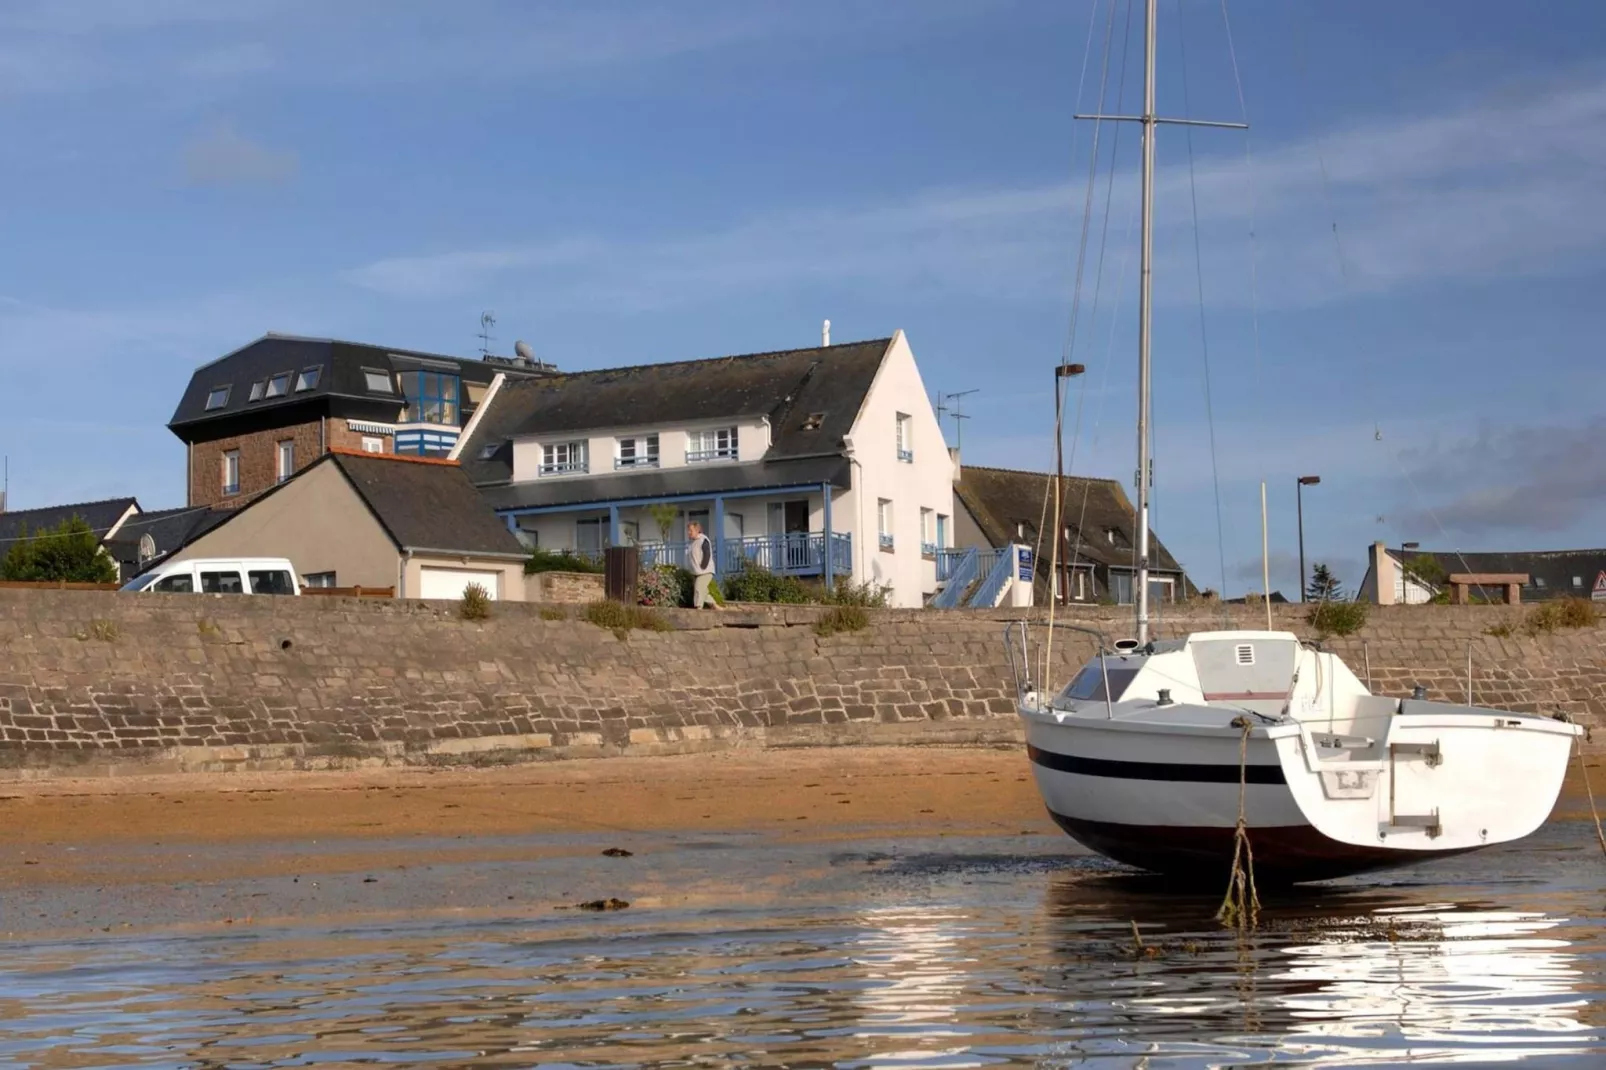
<point>978,961</point>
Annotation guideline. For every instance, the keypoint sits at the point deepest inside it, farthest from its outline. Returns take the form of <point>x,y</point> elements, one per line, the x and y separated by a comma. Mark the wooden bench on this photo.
<point>1461,584</point>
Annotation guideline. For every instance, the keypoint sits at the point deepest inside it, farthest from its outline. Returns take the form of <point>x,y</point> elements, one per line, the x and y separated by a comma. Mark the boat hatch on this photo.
<point>1089,683</point>
<point>1254,674</point>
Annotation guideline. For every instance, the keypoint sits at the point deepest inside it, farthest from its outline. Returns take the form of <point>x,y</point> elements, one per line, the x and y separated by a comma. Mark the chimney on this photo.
<point>1384,576</point>
<point>953,455</point>
<point>825,334</point>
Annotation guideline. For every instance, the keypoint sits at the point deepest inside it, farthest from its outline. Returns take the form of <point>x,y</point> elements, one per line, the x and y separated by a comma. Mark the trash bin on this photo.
<point>621,567</point>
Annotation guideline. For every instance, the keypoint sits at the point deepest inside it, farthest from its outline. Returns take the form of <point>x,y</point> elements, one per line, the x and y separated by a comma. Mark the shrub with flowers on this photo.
<point>658,587</point>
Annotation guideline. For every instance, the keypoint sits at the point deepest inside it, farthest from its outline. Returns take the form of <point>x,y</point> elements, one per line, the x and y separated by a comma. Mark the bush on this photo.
<point>554,613</point>
<point>557,561</point>
<point>1337,618</point>
<point>621,619</point>
<point>846,593</point>
<point>753,583</point>
<point>476,603</point>
<point>1561,613</point>
<point>843,618</point>
<point>68,553</point>
<point>659,587</point>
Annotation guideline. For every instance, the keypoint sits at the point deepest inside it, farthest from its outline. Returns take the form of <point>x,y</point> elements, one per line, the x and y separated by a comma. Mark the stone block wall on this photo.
<point>567,588</point>
<point>102,680</point>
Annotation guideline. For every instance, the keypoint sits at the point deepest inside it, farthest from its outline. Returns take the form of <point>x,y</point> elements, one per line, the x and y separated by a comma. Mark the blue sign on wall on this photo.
<point>1025,565</point>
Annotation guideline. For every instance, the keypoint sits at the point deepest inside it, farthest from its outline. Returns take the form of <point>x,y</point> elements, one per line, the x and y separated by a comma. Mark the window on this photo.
<point>318,579</point>
<point>906,448</point>
<point>431,398</point>
<point>271,581</point>
<point>231,472</point>
<point>716,445</point>
<point>629,533</point>
<point>221,583</point>
<point>218,398</point>
<point>1079,588</point>
<point>378,381</point>
<point>1578,581</point>
<point>287,460</point>
<point>1089,683</point>
<point>942,531</point>
<point>558,458</point>
<point>278,385</point>
<point>182,583</point>
<point>883,516</point>
<point>373,444</point>
<point>928,543</point>
<point>588,535</point>
<point>488,450</point>
<point>1121,587</point>
<point>812,421</point>
<point>1539,581</point>
<point>638,452</point>
<point>308,379</point>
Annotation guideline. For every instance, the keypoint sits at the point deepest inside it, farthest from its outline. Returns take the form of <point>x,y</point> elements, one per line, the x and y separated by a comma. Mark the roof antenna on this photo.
<point>954,411</point>
<point>825,334</point>
<point>487,321</point>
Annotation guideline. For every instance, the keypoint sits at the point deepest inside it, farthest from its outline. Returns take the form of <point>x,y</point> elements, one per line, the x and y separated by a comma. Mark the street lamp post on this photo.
<point>1405,590</point>
<point>1299,495</point>
<point>1063,573</point>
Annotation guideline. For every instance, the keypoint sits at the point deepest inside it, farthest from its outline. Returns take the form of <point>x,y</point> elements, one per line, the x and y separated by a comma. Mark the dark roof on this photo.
<point>101,516</point>
<point>1008,506</point>
<point>789,387</point>
<point>170,530</point>
<point>1557,568</point>
<point>342,376</point>
<point>426,505</point>
<point>667,482</point>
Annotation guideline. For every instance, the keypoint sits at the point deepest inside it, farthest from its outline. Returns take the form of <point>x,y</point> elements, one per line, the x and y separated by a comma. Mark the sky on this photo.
<point>1389,278</point>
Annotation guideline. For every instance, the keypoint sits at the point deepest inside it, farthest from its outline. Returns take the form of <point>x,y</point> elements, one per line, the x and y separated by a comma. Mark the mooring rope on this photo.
<point>1594,814</point>
<point>1240,907</point>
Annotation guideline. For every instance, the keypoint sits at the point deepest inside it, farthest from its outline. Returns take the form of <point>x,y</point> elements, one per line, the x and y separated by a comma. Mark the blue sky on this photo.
<point>633,182</point>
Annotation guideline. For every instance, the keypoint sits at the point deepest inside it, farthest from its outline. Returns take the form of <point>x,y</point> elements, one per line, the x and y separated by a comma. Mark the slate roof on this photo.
<point>101,516</point>
<point>1004,501</point>
<point>426,505</point>
<point>170,529</point>
<point>342,376</point>
<point>788,387</point>
<point>1556,568</point>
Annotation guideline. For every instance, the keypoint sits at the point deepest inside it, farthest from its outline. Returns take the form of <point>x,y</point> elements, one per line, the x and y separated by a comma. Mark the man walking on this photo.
<point>700,560</point>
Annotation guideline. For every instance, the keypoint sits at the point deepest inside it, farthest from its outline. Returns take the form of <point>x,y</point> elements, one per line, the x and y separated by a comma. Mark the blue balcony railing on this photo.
<point>727,453</point>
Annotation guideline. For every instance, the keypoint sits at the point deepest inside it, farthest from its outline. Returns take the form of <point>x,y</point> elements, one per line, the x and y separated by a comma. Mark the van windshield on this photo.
<point>138,583</point>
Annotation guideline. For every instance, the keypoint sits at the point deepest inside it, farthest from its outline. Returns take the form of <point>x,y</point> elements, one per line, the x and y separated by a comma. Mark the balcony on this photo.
<point>724,453</point>
<point>624,463</point>
<point>564,468</point>
<point>792,554</point>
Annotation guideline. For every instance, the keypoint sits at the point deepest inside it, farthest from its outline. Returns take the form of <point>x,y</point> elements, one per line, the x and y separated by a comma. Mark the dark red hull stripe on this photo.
<point>1286,854</point>
<point>1171,771</point>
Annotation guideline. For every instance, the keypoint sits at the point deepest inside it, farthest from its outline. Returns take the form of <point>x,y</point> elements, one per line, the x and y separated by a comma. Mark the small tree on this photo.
<point>67,553</point>
<point>664,515</point>
<point>1324,586</point>
<point>1426,570</point>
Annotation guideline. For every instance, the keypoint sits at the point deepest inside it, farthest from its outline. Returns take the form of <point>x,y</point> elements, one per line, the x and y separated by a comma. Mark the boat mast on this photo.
<point>1145,464</point>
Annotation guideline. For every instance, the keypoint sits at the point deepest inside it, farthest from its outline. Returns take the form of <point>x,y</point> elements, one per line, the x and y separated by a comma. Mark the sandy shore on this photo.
<point>281,823</point>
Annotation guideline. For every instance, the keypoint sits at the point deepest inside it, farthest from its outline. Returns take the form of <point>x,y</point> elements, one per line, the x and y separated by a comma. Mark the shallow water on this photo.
<point>741,951</point>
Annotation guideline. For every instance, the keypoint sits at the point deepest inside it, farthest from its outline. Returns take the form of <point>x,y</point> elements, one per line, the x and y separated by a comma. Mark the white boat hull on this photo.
<point>1166,799</point>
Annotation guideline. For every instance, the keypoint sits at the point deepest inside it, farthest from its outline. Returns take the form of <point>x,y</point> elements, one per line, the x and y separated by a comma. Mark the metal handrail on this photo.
<point>1025,626</point>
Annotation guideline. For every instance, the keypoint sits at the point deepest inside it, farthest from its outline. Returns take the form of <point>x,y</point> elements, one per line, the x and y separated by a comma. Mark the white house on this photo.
<point>825,463</point>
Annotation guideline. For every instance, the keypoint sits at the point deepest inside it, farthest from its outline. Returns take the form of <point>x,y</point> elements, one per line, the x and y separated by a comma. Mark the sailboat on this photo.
<point>1157,750</point>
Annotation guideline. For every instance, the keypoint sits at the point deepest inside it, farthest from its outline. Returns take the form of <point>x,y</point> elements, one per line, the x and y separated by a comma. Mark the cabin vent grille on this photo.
<point>1246,654</point>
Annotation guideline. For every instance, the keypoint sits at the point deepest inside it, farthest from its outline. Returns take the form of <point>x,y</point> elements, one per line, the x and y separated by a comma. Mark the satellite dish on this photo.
<point>522,348</point>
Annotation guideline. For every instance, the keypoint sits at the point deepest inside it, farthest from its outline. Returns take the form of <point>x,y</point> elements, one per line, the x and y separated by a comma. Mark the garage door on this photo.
<point>449,582</point>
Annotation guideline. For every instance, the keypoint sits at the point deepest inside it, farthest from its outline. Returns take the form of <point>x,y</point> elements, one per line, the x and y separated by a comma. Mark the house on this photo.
<point>105,518</point>
<point>995,507</point>
<point>147,539</point>
<point>825,463</point>
<point>256,417</point>
<point>358,519</point>
<point>1397,576</point>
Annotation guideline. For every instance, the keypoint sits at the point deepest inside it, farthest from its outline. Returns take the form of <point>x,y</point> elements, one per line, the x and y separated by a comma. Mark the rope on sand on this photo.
<point>1240,907</point>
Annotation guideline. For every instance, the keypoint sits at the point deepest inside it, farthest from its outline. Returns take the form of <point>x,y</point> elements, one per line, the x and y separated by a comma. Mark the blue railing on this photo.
<point>962,572</point>
<point>992,589</point>
<point>791,554</point>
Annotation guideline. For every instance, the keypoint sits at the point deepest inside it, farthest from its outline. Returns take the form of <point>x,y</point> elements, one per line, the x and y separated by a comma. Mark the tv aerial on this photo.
<point>487,321</point>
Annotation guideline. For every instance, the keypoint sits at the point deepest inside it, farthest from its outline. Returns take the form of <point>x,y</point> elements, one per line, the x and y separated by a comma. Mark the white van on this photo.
<point>213,575</point>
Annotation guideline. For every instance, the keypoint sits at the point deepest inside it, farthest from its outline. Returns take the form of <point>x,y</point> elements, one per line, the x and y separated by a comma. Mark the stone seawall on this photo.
<point>107,682</point>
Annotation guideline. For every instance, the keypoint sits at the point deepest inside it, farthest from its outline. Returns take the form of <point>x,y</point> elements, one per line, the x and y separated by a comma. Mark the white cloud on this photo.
<point>224,157</point>
<point>1498,189</point>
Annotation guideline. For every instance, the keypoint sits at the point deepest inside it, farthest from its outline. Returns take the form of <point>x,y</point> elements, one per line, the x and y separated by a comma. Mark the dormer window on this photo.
<point>218,397</point>
<point>488,450</point>
<point>714,445</point>
<point>257,389</point>
<point>308,379</point>
<point>640,451</point>
<point>906,447</point>
<point>563,458</point>
<point>378,381</point>
<point>278,385</point>
<point>431,398</point>
<point>812,421</point>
